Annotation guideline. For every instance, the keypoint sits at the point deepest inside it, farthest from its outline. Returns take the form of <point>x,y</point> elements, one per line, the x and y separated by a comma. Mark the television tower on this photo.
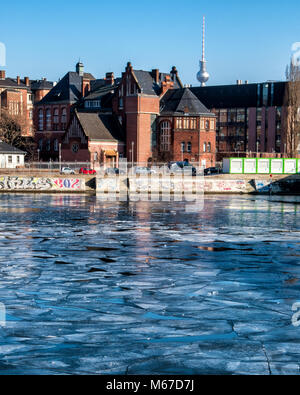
<point>203,75</point>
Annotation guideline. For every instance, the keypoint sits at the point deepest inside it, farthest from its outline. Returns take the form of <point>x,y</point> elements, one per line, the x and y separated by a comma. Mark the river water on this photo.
<point>145,288</point>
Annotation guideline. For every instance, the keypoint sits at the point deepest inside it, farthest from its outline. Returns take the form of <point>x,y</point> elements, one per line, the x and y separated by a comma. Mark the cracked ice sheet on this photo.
<point>171,293</point>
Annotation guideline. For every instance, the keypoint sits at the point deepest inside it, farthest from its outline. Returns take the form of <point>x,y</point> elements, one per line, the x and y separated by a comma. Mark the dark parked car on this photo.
<point>181,167</point>
<point>211,171</point>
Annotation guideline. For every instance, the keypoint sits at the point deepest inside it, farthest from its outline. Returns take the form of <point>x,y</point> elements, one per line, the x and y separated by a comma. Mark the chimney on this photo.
<point>110,79</point>
<point>155,75</point>
<point>129,66</point>
<point>174,73</point>
<point>239,82</point>
<point>80,69</point>
<point>246,82</point>
<point>2,74</point>
<point>26,80</point>
<point>18,80</point>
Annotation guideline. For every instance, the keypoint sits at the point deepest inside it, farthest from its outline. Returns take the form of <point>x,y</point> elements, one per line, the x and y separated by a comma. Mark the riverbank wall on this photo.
<point>220,184</point>
<point>46,184</point>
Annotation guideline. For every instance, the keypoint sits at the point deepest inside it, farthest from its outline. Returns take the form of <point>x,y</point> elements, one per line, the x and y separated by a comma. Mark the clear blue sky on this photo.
<point>245,40</point>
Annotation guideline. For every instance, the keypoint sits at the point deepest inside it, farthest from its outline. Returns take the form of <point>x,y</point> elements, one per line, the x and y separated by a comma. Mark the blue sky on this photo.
<point>245,40</point>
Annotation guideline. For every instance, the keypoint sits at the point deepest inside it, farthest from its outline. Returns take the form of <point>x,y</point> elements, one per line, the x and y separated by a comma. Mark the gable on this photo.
<point>75,131</point>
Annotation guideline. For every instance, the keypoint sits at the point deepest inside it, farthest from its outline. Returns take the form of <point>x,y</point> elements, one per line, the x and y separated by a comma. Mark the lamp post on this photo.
<point>38,152</point>
<point>59,147</point>
<point>132,153</point>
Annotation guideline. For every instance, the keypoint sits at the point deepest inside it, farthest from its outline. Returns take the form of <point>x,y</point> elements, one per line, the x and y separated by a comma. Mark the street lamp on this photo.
<point>59,147</point>
<point>38,152</point>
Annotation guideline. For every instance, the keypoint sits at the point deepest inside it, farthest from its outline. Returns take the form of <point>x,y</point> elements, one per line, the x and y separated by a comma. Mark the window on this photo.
<point>41,119</point>
<point>193,123</point>
<point>64,118</point>
<point>204,147</point>
<point>95,156</point>
<point>185,123</point>
<point>223,116</point>
<point>30,114</point>
<point>56,145</point>
<point>75,148</point>
<point>9,159</point>
<point>121,103</point>
<point>165,136</point>
<point>258,95</point>
<point>182,147</point>
<point>189,148</point>
<point>56,116</point>
<point>41,144</point>
<point>179,123</point>
<point>48,145</point>
<point>265,94</point>
<point>48,119</point>
<point>207,125</point>
<point>92,104</point>
<point>18,159</point>
<point>209,147</point>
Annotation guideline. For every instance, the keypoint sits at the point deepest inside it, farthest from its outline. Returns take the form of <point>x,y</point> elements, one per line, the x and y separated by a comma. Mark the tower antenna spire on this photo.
<point>203,40</point>
<point>203,75</point>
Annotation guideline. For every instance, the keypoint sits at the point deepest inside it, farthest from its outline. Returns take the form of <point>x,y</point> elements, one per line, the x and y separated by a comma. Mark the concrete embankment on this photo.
<point>46,183</point>
<point>221,184</point>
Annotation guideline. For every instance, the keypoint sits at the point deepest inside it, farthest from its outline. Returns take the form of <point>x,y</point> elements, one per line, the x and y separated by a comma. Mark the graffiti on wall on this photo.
<point>39,183</point>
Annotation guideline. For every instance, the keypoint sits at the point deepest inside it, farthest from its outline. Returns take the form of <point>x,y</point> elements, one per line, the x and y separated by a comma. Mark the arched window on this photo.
<point>209,147</point>
<point>182,147</point>
<point>207,125</point>
<point>55,119</point>
<point>48,119</point>
<point>189,147</point>
<point>41,119</point>
<point>165,136</point>
<point>204,147</point>
<point>41,144</point>
<point>64,118</point>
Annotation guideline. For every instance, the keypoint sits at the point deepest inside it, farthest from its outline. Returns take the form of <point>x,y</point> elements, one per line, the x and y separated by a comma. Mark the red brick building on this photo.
<point>186,129</point>
<point>53,113</point>
<point>137,105</point>
<point>93,137</point>
<point>143,116</point>
<point>163,121</point>
<point>17,99</point>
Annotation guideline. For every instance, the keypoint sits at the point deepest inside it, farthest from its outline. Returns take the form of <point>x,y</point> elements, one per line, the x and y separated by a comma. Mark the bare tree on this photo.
<point>13,130</point>
<point>292,107</point>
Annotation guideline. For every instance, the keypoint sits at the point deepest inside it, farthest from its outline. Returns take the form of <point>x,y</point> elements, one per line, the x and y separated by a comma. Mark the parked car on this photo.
<point>67,170</point>
<point>87,170</point>
<point>181,167</point>
<point>211,171</point>
<point>113,171</point>
<point>143,171</point>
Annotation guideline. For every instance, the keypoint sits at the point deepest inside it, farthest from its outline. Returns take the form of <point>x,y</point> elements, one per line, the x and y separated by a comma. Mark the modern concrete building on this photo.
<point>249,116</point>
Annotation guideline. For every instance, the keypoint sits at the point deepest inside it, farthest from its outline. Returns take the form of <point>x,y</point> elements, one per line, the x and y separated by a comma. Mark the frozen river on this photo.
<point>145,288</point>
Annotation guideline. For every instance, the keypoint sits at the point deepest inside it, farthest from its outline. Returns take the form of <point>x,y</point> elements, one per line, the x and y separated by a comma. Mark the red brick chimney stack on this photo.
<point>155,75</point>
<point>2,74</point>
<point>26,79</point>
<point>110,79</point>
<point>18,80</point>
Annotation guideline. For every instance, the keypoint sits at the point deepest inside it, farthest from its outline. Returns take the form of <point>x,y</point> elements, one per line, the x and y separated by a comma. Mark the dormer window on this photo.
<point>92,104</point>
